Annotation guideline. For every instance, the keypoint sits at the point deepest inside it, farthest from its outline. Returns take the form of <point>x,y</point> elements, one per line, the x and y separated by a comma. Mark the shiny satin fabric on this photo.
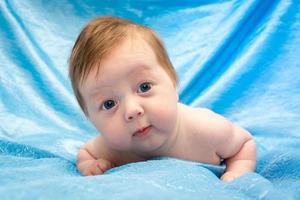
<point>238,58</point>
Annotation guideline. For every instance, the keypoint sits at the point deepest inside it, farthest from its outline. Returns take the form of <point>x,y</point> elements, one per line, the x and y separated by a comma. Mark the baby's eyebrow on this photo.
<point>94,91</point>
<point>97,91</point>
<point>139,70</point>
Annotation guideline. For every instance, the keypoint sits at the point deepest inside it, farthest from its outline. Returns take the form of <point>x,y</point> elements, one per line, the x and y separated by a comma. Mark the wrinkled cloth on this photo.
<point>238,58</point>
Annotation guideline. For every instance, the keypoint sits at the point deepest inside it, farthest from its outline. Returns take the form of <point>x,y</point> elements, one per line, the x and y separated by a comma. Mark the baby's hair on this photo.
<point>99,37</point>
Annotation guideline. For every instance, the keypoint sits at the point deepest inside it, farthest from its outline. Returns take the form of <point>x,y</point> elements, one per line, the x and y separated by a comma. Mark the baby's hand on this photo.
<point>95,167</point>
<point>229,176</point>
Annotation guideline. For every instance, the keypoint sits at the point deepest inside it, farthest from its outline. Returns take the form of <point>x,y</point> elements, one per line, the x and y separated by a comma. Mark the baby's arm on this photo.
<point>239,152</point>
<point>89,159</point>
<point>237,147</point>
<point>95,157</point>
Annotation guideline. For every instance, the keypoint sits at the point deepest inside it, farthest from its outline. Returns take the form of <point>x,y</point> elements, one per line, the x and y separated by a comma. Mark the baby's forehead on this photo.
<point>98,77</point>
<point>128,53</point>
<point>132,44</point>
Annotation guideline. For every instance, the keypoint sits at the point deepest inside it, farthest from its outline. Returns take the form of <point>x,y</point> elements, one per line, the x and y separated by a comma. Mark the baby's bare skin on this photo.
<point>204,136</point>
<point>134,104</point>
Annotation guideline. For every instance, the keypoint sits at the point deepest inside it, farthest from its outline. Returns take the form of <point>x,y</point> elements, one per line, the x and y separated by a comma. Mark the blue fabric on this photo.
<point>238,58</point>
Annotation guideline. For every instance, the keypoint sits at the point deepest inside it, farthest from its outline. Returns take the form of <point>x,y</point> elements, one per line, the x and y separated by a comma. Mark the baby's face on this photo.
<point>132,101</point>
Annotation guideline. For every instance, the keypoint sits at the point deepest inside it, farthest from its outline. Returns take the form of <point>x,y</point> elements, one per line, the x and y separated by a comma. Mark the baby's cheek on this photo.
<point>166,115</point>
<point>110,130</point>
<point>115,136</point>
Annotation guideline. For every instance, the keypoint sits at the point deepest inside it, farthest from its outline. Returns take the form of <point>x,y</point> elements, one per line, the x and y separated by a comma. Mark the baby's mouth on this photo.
<point>142,132</point>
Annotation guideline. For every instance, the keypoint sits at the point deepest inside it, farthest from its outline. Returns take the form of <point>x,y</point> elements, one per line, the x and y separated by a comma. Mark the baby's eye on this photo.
<point>144,87</point>
<point>108,104</point>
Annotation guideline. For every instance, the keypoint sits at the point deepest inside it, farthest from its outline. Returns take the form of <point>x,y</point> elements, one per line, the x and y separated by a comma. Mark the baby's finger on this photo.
<point>104,165</point>
<point>87,172</point>
<point>96,170</point>
<point>228,176</point>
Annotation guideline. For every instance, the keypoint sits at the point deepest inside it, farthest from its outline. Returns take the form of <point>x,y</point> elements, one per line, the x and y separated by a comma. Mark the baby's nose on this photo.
<point>133,111</point>
<point>130,117</point>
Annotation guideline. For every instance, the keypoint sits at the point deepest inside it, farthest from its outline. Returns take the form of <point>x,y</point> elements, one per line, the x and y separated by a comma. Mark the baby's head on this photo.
<point>102,36</point>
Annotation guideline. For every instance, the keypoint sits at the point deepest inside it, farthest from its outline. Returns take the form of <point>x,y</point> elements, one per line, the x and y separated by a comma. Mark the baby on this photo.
<point>126,85</point>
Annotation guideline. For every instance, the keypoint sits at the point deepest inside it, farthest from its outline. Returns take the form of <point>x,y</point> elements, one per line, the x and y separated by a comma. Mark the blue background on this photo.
<point>238,58</point>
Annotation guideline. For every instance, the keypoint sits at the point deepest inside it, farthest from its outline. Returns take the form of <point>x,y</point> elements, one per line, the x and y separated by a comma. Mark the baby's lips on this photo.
<point>142,131</point>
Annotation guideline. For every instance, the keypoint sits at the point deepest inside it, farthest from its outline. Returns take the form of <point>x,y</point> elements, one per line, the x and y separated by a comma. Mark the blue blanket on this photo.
<point>238,58</point>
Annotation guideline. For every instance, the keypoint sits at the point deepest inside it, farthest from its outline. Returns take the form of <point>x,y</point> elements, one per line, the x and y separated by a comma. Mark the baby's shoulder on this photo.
<point>203,118</point>
<point>196,113</point>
